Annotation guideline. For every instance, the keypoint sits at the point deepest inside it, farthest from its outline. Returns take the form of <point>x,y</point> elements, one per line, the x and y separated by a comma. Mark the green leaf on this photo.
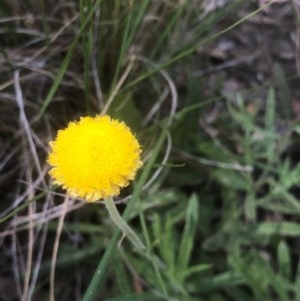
<point>189,233</point>
<point>123,281</point>
<point>168,243</point>
<point>283,91</point>
<point>197,269</point>
<point>289,176</point>
<point>250,206</point>
<point>281,228</point>
<point>230,178</point>
<point>254,267</point>
<point>284,259</point>
<point>270,126</point>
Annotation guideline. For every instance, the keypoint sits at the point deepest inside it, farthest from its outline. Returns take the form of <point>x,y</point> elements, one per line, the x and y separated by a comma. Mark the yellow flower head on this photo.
<point>94,157</point>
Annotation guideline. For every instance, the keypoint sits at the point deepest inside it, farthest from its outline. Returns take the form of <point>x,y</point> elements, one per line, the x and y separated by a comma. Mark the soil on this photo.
<point>261,50</point>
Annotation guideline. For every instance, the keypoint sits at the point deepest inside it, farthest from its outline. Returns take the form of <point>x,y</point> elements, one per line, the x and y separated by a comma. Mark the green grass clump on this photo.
<point>216,202</point>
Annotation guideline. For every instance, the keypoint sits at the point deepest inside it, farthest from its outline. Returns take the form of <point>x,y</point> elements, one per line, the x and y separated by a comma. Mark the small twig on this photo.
<point>55,248</point>
<point>117,88</point>
<point>29,257</point>
<point>225,165</point>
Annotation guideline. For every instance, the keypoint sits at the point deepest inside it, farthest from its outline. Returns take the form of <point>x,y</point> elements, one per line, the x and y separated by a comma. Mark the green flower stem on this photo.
<point>122,225</point>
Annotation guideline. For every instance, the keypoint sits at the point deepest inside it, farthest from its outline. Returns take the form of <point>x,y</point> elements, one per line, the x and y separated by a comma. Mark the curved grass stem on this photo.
<point>122,225</point>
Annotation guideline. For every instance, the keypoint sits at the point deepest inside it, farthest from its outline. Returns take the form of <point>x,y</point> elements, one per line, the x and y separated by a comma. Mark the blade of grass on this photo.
<point>284,259</point>
<point>188,235</point>
<point>62,70</point>
<point>270,126</point>
<point>87,45</point>
<point>168,29</point>
<point>282,228</point>
<point>128,36</point>
<point>149,248</point>
<point>124,283</point>
<point>283,90</point>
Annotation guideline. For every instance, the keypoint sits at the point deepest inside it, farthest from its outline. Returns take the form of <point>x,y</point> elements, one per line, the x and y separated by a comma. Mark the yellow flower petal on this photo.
<point>94,158</point>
